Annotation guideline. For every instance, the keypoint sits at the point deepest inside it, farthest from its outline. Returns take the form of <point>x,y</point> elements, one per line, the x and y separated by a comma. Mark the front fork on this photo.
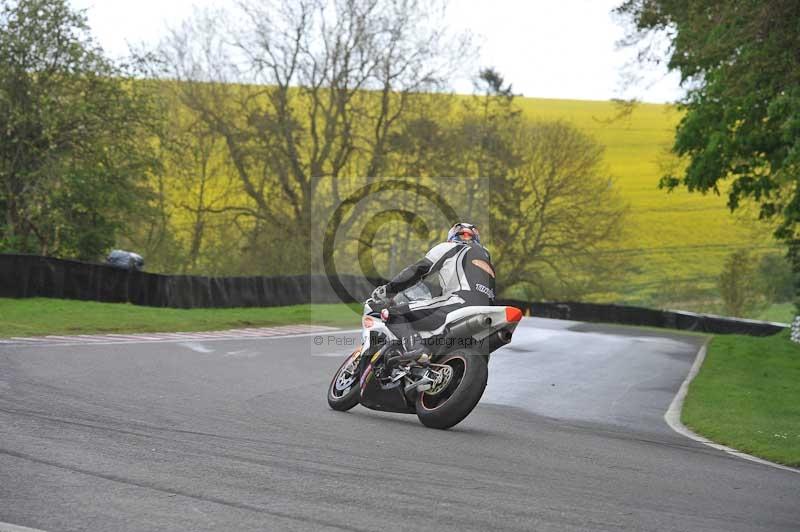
<point>370,354</point>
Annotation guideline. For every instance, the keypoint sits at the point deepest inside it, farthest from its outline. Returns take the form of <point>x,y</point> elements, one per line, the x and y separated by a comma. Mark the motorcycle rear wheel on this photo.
<point>447,405</point>
<point>344,390</point>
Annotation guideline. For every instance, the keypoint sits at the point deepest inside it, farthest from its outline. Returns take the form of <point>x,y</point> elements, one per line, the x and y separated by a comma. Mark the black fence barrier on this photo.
<point>34,276</point>
<point>647,317</point>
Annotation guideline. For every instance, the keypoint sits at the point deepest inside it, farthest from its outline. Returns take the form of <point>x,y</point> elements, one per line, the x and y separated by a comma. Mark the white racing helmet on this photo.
<point>464,233</point>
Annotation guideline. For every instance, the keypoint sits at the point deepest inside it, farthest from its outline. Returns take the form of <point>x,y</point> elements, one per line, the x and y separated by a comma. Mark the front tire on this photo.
<point>448,404</point>
<point>343,392</point>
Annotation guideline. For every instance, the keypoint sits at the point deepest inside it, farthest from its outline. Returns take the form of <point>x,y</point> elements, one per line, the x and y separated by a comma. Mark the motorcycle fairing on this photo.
<point>374,325</point>
<point>386,398</point>
<point>378,397</point>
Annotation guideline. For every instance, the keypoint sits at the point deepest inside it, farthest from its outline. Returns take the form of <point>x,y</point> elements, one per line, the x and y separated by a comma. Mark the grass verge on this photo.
<point>39,316</point>
<point>747,396</point>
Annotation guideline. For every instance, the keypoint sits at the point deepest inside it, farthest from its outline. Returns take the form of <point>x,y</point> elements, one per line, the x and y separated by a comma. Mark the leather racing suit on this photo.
<point>457,274</point>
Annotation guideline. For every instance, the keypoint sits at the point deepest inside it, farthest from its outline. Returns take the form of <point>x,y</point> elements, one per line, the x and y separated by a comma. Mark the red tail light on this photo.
<point>513,314</point>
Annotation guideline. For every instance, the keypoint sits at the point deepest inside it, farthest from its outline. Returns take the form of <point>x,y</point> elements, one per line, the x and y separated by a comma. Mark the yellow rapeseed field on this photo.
<point>677,238</point>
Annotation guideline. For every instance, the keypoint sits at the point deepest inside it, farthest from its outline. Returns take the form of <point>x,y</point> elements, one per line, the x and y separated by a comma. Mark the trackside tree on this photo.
<point>262,121</point>
<point>740,66</point>
<point>301,95</point>
<point>283,109</point>
<point>72,160</point>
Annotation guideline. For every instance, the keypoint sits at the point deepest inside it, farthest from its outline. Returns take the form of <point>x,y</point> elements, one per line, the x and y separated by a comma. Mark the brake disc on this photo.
<point>444,375</point>
<point>346,376</point>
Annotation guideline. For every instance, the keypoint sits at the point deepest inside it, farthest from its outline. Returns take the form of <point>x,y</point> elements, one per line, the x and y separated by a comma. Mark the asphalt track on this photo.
<point>236,435</point>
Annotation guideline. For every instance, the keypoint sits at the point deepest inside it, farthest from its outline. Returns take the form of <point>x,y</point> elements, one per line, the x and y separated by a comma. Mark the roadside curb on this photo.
<point>8,527</point>
<point>253,333</point>
<point>673,418</point>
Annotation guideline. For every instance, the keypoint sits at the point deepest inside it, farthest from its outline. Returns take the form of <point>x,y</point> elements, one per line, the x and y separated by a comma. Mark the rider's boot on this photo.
<point>414,350</point>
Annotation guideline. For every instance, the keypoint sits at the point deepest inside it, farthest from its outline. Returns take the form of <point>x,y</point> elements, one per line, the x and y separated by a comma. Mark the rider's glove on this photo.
<point>379,295</point>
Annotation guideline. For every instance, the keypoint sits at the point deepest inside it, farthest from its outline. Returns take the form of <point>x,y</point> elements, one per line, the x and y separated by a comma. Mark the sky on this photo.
<point>545,48</point>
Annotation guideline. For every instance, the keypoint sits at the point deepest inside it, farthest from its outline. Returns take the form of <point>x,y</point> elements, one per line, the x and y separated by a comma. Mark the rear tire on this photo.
<point>344,390</point>
<point>449,405</point>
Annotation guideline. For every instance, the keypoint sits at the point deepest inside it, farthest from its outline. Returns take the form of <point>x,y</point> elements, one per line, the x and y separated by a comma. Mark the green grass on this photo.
<point>780,312</point>
<point>40,316</point>
<point>747,396</point>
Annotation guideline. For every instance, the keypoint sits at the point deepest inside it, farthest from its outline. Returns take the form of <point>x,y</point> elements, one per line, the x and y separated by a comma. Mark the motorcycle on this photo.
<point>441,391</point>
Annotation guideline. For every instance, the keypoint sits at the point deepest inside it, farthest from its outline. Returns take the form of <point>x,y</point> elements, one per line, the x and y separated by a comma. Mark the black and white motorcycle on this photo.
<point>441,391</point>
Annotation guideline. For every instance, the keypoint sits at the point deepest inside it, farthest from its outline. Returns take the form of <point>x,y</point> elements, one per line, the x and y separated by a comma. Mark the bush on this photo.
<point>775,278</point>
<point>738,285</point>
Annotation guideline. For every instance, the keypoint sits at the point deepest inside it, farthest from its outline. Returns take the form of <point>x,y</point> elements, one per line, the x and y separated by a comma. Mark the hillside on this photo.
<point>675,244</point>
<point>677,241</point>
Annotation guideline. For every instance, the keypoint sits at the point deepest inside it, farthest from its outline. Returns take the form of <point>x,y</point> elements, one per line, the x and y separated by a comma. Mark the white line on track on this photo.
<point>198,347</point>
<point>673,418</point>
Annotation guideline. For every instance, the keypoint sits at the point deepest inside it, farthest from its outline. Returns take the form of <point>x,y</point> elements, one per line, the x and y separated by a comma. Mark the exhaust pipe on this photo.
<point>504,336</point>
<point>470,326</point>
<point>496,340</point>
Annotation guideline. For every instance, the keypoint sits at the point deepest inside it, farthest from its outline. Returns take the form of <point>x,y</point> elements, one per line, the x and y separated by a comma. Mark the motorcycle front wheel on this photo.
<point>448,402</point>
<point>344,390</point>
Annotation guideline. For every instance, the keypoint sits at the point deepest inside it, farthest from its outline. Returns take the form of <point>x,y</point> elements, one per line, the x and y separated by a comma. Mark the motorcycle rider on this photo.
<point>457,272</point>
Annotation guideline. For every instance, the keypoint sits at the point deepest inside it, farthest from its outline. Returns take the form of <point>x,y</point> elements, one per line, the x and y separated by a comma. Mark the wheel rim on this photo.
<point>345,378</point>
<point>442,391</point>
